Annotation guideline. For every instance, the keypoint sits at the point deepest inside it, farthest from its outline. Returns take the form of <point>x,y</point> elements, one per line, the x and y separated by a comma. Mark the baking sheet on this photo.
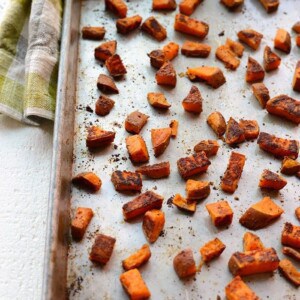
<point>234,99</point>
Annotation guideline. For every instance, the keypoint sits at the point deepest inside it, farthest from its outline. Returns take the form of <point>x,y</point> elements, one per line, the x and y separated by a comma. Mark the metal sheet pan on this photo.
<point>88,281</point>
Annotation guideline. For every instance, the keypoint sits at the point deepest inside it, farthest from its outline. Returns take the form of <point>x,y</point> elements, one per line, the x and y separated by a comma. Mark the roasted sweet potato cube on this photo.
<point>220,212</point>
<point>212,249</point>
<point>141,204</point>
<point>135,121</point>
<point>271,180</point>
<point>106,85</point>
<point>170,50</point>
<point>197,190</point>
<point>250,37</point>
<point>291,235</point>
<point>271,60</point>
<point>254,72</point>
<point>261,214</point>
<point>154,28</point>
<point>194,49</point>
<point>187,7</point>
<point>98,137</point>
<point>118,7</point>
<point>166,75</point>
<point>297,39</point>
<point>102,248</point>
<point>210,147</point>
<point>252,242</point>
<point>296,78</point>
<point>217,123</point>
<point>296,27</point>
<point>104,105</point>
<point>251,129</point>
<point>93,33</point>
<point>289,271</point>
<point>193,101</point>
<point>227,56</point>
<point>253,262</point>
<point>106,50</point>
<point>153,224</point>
<point>184,264</point>
<point>157,58</point>
<point>182,203</point>
<point>282,41</point>
<point>297,213</point>
<point>87,180</point>
<point>164,4</point>
<point>155,171</point>
<point>80,222</point>
<point>174,128</point>
<point>290,166</point>
<point>234,133</point>
<point>237,289</point>
<point>160,139</point>
<point>277,146</point>
<point>137,259</point>
<point>261,93</point>
<point>126,181</point>
<point>185,24</point>
<point>134,285</point>
<point>115,66</point>
<point>270,5</point>
<point>232,4</point>
<point>137,149</point>
<point>126,25</point>
<point>291,252</point>
<point>158,100</point>
<point>235,47</point>
<point>195,164</point>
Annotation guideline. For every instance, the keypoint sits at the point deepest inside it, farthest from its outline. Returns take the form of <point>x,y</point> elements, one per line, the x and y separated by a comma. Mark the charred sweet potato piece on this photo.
<point>212,249</point>
<point>157,58</point>
<point>193,101</point>
<point>174,128</point>
<point>182,203</point>
<point>270,5</point>
<point>271,180</point>
<point>106,85</point>
<point>250,37</point>
<point>158,100</point>
<point>126,25</point>
<point>234,133</point>
<point>164,4</point>
<point>153,224</point>
<point>290,166</point>
<point>220,212</point>
<point>93,33</point>
<point>194,49</point>
<point>98,137</point>
<point>217,122</point>
<point>154,28</point>
<point>185,24</point>
<point>290,235</point>
<point>166,75</point>
<point>106,50</point>
<point>160,139</point>
<point>87,180</point>
<point>118,7</point>
<point>170,50</point>
<point>271,60</point>
<point>252,242</point>
<point>296,27</point>
<point>237,289</point>
<point>232,4</point>
<point>227,56</point>
<point>134,285</point>
<point>261,214</point>
<point>104,105</point>
<point>253,262</point>
<point>261,93</point>
<point>291,252</point>
<point>297,213</point>
<point>197,190</point>
<point>115,66</point>
<point>254,72</point>
<point>297,38</point>
<point>184,264</point>
<point>210,147</point>
<point>141,204</point>
<point>251,129</point>
<point>102,248</point>
<point>155,171</point>
<point>289,271</point>
<point>282,41</point>
<point>137,149</point>
<point>126,181</point>
<point>187,7</point>
<point>80,222</point>
<point>135,121</point>
<point>279,147</point>
<point>233,173</point>
<point>235,47</point>
<point>296,78</point>
<point>137,259</point>
<point>192,165</point>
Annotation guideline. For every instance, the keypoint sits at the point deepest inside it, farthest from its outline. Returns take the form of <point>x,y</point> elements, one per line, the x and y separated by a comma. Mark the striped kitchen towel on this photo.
<point>29,50</point>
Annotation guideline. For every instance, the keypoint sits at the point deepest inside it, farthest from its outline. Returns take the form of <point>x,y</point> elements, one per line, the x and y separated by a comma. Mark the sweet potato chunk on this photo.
<point>141,204</point>
<point>289,271</point>
<point>155,171</point>
<point>158,100</point>
<point>104,105</point>
<point>282,41</point>
<point>126,181</point>
<point>98,137</point>
<point>233,173</point>
<point>187,7</point>
<point>290,166</point>
<point>296,27</point>
<point>234,133</point>
<point>184,264</point>
<point>106,85</point>
<point>237,289</point>
<point>174,128</point>
<point>296,78</point>
<point>157,58</point>
<point>106,50</point>
<point>192,165</point>
<point>115,66</point>
<point>126,25</point>
<point>160,139</point>
<point>190,26</point>
<point>290,235</point>
<point>171,50</point>
<point>197,190</point>
<point>252,242</point>
<point>279,147</point>
<point>118,7</point>
<point>297,38</point>
<point>250,37</point>
<point>291,252</point>
<point>193,101</point>
<point>154,28</point>
<point>134,285</point>
<point>194,49</point>
<point>297,213</point>
<point>251,129</point>
<point>212,249</point>
<point>270,5</point>
<point>93,33</point>
<point>217,122</point>
<point>271,60</point>
<point>220,212</point>
<point>164,4</point>
<point>166,75</point>
<point>261,93</point>
<point>135,121</point>
<point>102,249</point>
<point>182,203</point>
<point>236,47</point>
<point>137,259</point>
<point>87,180</point>
<point>271,180</point>
<point>210,147</point>
<point>254,72</point>
<point>253,262</point>
<point>232,4</point>
<point>261,214</point>
<point>227,56</point>
<point>80,222</point>
<point>153,224</point>
<point>137,149</point>
<point>213,76</point>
